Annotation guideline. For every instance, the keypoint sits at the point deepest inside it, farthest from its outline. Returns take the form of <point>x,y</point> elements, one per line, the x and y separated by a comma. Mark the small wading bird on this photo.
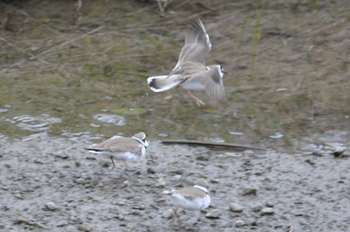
<point>122,148</point>
<point>191,198</point>
<point>190,72</point>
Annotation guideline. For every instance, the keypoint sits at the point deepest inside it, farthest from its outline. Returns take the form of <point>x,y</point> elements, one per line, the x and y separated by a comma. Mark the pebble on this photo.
<point>121,217</point>
<point>80,181</point>
<point>177,177</point>
<point>214,214</point>
<point>310,161</point>
<point>38,161</point>
<point>151,171</point>
<point>267,211</point>
<point>214,181</point>
<point>270,204</point>
<point>51,206</point>
<point>317,153</point>
<point>20,220</point>
<point>62,155</point>
<point>239,223</point>
<point>236,208</point>
<point>249,191</point>
<point>168,214</point>
<point>160,183</point>
<point>84,228</point>
<point>256,208</point>
<point>139,207</point>
<point>338,151</point>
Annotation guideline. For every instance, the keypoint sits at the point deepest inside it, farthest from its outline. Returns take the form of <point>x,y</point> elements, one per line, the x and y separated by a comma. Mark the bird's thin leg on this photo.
<point>126,165</point>
<point>172,95</point>
<point>112,163</point>
<point>199,102</point>
<point>177,216</point>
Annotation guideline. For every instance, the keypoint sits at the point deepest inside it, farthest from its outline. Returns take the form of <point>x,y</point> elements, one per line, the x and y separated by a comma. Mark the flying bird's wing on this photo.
<point>197,45</point>
<point>213,84</point>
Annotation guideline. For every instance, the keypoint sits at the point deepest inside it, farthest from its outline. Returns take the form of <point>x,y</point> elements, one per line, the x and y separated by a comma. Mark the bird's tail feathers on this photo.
<point>162,83</point>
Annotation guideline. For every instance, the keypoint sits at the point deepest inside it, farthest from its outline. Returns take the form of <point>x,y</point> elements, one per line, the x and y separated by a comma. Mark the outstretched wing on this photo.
<point>212,82</point>
<point>197,45</point>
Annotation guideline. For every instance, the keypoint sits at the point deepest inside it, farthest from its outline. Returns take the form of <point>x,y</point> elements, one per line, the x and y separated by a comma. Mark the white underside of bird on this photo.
<point>124,156</point>
<point>198,203</point>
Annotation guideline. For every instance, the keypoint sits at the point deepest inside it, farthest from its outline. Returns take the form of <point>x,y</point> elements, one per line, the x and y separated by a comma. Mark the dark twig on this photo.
<point>213,144</point>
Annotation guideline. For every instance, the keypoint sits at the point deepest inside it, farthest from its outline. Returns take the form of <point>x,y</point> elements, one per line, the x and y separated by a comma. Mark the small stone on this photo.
<point>214,214</point>
<point>19,196</point>
<point>267,211</point>
<point>37,224</point>
<point>139,207</point>
<point>160,183</point>
<point>270,204</point>
<point>177,177</point>
<point>80,181</point>
<point>121,217</point>
<point>202,158</point>
<point>101,185</point>
<point>239,223</point>
<point>51,206</point>
<point>151,171</point>
<point>84,228</point>
<point>249,191</point>
<point>236,208</point>
<point>317,153</point>
<point>38,161</point>
<point>258,223</point>
<point>168,214</point>
<point>310,161</point>
<point>62,155</point>
<point>20,220</point>
<point>177,172</point>
<point>214,181</point>
<point>338,151</point>
<point>256,208</point>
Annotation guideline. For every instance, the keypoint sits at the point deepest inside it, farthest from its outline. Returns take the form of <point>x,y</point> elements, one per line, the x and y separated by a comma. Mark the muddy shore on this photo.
<point>52,184</point>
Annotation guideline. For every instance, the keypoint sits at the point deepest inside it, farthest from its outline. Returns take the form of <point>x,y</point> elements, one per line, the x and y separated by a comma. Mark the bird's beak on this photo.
<point>224,72</point>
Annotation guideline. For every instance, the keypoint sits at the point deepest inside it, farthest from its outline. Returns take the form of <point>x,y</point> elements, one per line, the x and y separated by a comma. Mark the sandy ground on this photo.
<point>54,185</point>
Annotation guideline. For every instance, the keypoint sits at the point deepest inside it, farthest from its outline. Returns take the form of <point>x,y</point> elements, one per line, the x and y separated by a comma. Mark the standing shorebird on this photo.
<point>122,148</point>
<point>191,198</point>
<point>190,72</point>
